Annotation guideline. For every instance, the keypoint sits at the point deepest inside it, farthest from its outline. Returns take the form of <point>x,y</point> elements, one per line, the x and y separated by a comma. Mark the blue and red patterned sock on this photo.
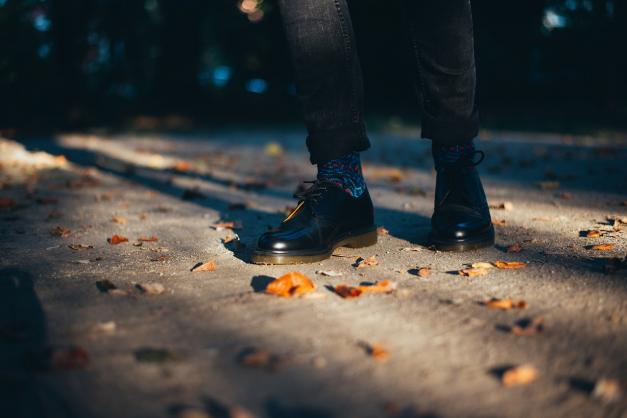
<point>345,172</point>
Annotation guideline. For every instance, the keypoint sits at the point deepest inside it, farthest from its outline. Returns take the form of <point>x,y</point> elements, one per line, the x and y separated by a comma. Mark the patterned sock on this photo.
<point>450,154</point>
<point>345,172</point>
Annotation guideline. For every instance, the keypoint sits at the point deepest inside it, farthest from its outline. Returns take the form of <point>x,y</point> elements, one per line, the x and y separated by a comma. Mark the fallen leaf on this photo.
<point>602,247</point>
<point>365,262</point>
<point>145,238</point>
<point>382,231</point>
<point>498,222</point>
<point>329,273</point>
<point>347,292</point>
<point>503,206</point>
<point>473,272</point>
<point>154,355</point>
<point>291,284</point>
<point>151,288</point>
<point>549,185</point>
<point>514,248</point>
<point>181,166</point>
<point>424,271</point>
<point>519,375</point>
<point>60,231</point>
<point>263,359</point>
<point>527,327</point>
<point>117,239</point>
<point>376,351</point>
<point>208,266</point>
<point>508,265</point>
<point>609,390</point>
<point>592,233</point>
<point>80,247</point>
<point>229,238</point>
<point>416,249</point>
<point>69,358</point>
<point>505,304</point>
<point>119,219</point>
<point>482,265</point>
<point>565,196</point>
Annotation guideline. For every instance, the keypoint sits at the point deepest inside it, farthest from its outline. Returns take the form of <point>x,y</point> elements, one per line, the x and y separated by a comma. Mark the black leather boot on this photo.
<point>326,218</point>
<point>461,218</point>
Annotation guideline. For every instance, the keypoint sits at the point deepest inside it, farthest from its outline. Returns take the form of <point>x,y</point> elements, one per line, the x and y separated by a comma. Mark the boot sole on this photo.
<point>353,240</point>
<point>474,243</point>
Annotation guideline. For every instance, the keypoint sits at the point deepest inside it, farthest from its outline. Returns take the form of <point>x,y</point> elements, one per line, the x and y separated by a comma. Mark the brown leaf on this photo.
<point>207,266</point>
<point>519,375</point>
<point>80,247</point>
<point>376,351</point>
<point>263,359</point>
<point>151,288</point>
<point>602,247</point>
<point>117,239</point>
<point>474,272</point>
<point>382,231</point>
<point>592,233</point>
<point>118,219</point>
<point>505,304</point>
<point>565,196</point>
<point>609,390</point>
<point>527,327</point>
<point>365,262</point>
<point>498,222</point>
<point>508,265</point>
<point>229,238</point>
<point>60,231</point>
<point>503,206</point>
<point>292,284</point>
<point>347,292</point>
<point>145,238</point>
<point>221,226</point>
<point>514,248</point>
<point>181,166</point>
<point>424,271</point>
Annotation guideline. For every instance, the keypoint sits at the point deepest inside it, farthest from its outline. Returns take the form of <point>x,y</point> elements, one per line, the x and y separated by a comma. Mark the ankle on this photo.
<point>345,172</point>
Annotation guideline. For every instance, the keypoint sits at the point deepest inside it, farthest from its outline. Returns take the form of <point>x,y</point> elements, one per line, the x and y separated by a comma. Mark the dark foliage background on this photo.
<point>555,64</point>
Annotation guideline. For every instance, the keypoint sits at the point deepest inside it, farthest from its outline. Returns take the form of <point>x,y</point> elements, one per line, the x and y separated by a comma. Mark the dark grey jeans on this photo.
<point>329,80</point>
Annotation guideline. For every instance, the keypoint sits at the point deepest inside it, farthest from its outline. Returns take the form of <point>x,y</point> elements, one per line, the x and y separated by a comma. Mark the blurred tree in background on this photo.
<point>78,63</point>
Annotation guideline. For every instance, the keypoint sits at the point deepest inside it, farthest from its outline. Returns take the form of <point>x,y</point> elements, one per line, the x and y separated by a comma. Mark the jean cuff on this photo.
<point>452,131</point>
<point>328,145</point>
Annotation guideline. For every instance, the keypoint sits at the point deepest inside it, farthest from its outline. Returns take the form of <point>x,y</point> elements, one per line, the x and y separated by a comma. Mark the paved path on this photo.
<point>69,349</point>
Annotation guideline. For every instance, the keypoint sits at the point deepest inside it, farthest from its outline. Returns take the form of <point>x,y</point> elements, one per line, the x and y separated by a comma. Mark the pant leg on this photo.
<point>441,32</point>
<point>328,76</point>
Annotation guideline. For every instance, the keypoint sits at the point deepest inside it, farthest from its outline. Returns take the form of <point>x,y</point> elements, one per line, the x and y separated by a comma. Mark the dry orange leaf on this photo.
<point>519,375</point>
<point>60,231</point>
<point>221,226</point>
<point>510,264</point>
<point>119,219</point>
<point>505,304</point>
<point>145,238</point>
<point>514,248</point>
<point>291,284</point>
<point>365,262</point>
<point>482,265</point>
<point>424,271</point>
<point>593,233</point>
<point>382,231</point>
<point>474,272</point>
<point>117,239</point>
<point>384,286</point>
<point>182,166</point>
<point>498,222</point>
<point>208,266</point>
<point>376,351</point>
<point>603,247</point>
